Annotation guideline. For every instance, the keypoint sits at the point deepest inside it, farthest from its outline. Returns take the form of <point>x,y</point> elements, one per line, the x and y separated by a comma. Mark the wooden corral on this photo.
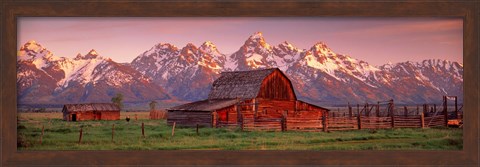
<point>156,114</point>
<point>91,111</point>
<point>252,100</point>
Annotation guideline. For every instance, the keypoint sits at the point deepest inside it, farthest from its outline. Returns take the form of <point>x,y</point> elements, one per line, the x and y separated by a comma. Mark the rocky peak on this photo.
<point>321,47</point>
<point>256,40</point>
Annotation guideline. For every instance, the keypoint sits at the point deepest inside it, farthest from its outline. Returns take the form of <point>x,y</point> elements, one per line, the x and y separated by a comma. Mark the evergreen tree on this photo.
<point>118,100</point>
<point>153,104</point>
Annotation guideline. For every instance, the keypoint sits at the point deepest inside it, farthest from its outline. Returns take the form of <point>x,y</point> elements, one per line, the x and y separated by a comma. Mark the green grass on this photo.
<point>61,135</point>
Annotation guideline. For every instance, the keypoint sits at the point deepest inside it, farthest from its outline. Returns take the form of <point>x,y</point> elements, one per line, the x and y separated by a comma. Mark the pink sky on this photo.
<point>375,40</point>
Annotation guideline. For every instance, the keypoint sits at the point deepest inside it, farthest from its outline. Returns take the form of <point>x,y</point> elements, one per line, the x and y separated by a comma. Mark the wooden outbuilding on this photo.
<point>91,111</point>
<point>239,97</point>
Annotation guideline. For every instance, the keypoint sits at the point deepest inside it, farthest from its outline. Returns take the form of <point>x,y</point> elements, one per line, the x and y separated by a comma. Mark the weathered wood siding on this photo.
<point>109,115</point>
<point>273,108</point>
<point>92,115</point>
<point>276,86</point>
<point>230,111</point>
<point>302,106</point>
<point>189,118</point>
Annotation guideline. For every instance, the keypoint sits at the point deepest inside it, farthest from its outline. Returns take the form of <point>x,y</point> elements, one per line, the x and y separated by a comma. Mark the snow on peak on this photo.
<point>32,42</point>
<point>32,46</point>
<point>189,49</point>
<point>93,52</point>
<point>35,52</point>
<point>287,46</point>
<point>160,48</point>
<point>208,44</point>
<point>256,35</point>
<point>208,47</point>
<point>257,41</point>
<point>321,47</point>
<point>164,46</point>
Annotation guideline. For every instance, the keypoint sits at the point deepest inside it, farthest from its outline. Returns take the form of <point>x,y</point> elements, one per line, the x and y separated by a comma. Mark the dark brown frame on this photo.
<point>468,10</point>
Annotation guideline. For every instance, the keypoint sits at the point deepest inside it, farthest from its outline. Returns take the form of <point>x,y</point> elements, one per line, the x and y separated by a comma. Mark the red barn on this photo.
<point>241,95</point>
<point>91,111</point>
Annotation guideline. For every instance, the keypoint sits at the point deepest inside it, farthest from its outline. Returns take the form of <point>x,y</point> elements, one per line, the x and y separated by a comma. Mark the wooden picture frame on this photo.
<point>11,10</point>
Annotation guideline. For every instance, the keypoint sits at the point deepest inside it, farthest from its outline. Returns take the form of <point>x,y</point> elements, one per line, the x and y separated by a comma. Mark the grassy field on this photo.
<point>97,135</point>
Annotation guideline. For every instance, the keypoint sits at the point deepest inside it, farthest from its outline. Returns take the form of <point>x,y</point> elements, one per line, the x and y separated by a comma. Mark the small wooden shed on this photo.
<point>240,95</point>
<point>91,111</point>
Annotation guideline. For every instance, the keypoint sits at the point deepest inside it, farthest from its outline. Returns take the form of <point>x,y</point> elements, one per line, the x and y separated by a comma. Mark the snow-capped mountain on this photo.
<point>257,53</point>
<point>319,75</point>
<point>186,73</point>
<point>45,78</point>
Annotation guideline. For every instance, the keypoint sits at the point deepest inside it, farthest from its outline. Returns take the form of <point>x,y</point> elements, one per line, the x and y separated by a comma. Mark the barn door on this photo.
<point>74,117</point>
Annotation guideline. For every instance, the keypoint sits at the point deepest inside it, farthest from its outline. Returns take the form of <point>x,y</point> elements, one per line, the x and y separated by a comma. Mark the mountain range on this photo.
<point>166,72</point>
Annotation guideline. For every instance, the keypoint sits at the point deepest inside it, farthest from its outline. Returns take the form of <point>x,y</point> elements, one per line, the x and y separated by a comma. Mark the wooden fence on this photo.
<point>340,123</point>
<point>155,114</point>
<point>303,124</point>
<point>262,125</point>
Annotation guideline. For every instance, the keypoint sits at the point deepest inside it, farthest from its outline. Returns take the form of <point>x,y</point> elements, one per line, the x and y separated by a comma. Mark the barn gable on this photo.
<point>252,84</point>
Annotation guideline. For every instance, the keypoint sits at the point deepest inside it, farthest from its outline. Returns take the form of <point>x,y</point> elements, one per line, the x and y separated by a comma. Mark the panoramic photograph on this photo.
<point>239,83</point>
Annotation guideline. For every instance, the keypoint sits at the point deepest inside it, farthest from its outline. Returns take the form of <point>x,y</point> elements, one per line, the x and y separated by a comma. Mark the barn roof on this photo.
<point>239,84</point>
<point>206,105</point>
<point>91,107</point>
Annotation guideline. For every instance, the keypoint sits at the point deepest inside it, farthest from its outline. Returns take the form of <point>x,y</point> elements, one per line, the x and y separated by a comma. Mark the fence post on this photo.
<point>239,116</point>
<point>445,111</point>
<point>368,110</point>
<point>422,120</point>
<point>405,110</point>
<point>217,120</point>
<point>213,120</point>
<point>456,108</point>
<point>350,111</point>
<point>393,120</point>
<point>359,120</point>
<point>113,131</point>
<point>80,138</point>
<point>324,122</point>
<point>41,136</point>
<point>143,131</point>
<point>173,129</point>
<point>197,129</point>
